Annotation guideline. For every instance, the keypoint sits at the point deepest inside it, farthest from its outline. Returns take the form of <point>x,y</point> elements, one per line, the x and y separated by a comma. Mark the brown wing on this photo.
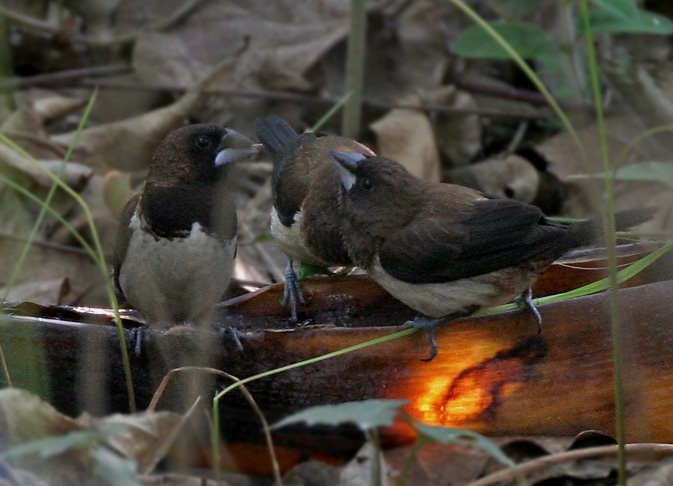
<point>498,233</point>
<point>122,240</point>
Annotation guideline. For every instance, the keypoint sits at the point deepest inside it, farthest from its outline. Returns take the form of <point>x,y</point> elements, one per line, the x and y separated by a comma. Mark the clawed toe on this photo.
<point>292,292</point>
<point>137,334</point>
<point>526,299</point>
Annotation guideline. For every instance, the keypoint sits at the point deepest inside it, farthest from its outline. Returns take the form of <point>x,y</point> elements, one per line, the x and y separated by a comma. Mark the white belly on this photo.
<point>174,281</point>
<point>441,299</point>
<point>290,241</point>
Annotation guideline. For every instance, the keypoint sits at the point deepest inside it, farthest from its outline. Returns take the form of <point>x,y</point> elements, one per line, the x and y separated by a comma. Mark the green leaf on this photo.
<point>52,446</point>
<point>644,171</point>
<point>448,435</point>
<point>527,39</point>
<point>647,171</point>
<point>367,414</point>
<point>306,270</point>
<point>262,238</point>
<point>624,9</point>
<point>603,20</point>
<point>515,9</point>
<point>113,469</point>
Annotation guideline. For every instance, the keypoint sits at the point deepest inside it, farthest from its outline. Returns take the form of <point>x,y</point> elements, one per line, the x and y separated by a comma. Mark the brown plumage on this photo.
<point>305,220</point>
<point>445,250</point>
<point>176,242</point>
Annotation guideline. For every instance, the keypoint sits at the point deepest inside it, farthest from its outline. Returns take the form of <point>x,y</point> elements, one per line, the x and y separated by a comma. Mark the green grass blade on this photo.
<point>100,261</point>
<point>330,113</point>
<point>50,196</point>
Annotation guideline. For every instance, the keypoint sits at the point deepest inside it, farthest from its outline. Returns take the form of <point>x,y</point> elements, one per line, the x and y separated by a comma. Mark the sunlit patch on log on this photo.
<point>476,393</point>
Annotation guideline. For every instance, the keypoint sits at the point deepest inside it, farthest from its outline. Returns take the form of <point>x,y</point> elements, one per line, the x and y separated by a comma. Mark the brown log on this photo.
<point>494,374</point>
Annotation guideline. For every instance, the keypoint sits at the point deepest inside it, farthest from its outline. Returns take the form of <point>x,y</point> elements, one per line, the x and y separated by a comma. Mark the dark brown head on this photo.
<point>197,154</point>
<point>378,195</point>
<point>185,180</point>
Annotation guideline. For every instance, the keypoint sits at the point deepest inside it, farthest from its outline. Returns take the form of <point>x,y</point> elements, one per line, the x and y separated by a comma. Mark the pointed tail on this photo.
<point>276,134</point>
<point>586,232</point>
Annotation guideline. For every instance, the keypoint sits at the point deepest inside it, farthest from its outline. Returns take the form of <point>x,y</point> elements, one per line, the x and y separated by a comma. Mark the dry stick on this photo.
<point>67,75</point>
<point>644,451</point>
<point>267,430</point>
<point>46,244</point>
<point>28,22</point>
<point>58,150</point>
<point>321,100</point>
<point>530,97</point>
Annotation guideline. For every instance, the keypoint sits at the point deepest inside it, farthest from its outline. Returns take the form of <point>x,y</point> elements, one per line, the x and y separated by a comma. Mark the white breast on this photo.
<point>178,280</point>
<point>290,241</point>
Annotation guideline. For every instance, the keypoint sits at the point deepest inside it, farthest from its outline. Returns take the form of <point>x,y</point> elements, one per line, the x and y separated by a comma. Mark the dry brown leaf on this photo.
<point>312,473</point>
<point>25,417</point>
<point>564,161</point>
<point>41,291</point>
<point>129,144</point>
<point>146,438</point>
<point>513,177</point>
<point>116,191</point>
<point>660,474</point>
<point>458,136</point>
<point>75,175</point>
<point>406,136</point>
<point>360,471</point>
<point>47,266</point>
<point>438,464</point>
<point>283,42</point>
<point>55,106</point>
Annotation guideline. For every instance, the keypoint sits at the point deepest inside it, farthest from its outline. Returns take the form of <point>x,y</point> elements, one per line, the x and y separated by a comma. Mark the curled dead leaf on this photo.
<point>407,136</point>
<point>459,135</point>
<point>512,176</point>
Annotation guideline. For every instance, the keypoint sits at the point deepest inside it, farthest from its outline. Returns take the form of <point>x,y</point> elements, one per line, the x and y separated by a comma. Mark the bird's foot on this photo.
<point>526,300</point>
<point>429,326</point>
<point>230,332</point>
<point>137,334</point>
<point>292,291</point>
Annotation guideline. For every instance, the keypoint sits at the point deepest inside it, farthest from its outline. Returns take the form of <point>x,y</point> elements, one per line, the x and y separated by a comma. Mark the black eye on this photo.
<point>202,142</point>
<point>366,184</point>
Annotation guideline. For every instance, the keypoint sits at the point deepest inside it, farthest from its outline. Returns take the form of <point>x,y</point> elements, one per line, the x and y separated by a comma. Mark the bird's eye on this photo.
<point>202,142</point>
<point>366,184</point>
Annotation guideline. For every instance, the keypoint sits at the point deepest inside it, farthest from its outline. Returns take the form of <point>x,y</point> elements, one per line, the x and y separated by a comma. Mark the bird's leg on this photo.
<point>232,333</point>
<point>526,299</point>
<point>137,334</point>
<point>292,291</point>
<point>429,326</point>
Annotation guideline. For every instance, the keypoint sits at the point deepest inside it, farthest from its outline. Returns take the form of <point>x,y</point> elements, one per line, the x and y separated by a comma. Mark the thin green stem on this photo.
<point>639,138</point>
<point>377,460</point>
<point>99,260</point>
<point>404,472</point>
<point>611,247</point>
<point>474,16</point>
<point>50,196</point>
<point>355,66</point>
<point>216,408</point>
<point>594,287</point>
<point>331,112</point>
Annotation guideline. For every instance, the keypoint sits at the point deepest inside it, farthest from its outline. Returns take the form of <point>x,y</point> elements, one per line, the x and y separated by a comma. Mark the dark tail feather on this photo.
<point>586,232</point>
<point>276,135</point>
<point>633,217</point>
